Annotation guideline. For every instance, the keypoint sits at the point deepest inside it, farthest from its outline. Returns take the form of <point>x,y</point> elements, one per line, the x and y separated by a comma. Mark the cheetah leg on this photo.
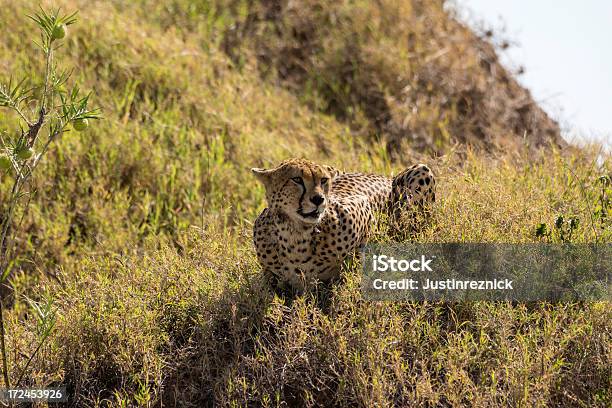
<point>413,193</point>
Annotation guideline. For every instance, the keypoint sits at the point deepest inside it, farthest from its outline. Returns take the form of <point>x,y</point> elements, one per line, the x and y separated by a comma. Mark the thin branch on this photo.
<point>25,369</point>
<point>47,73</point>
<point>22,115</point>
<point>5,371</point>
<point>35,128</point>
<point>5,224</point>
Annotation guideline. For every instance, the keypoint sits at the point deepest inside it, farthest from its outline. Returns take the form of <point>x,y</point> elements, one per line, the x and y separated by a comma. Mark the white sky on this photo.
<point>566,49</point>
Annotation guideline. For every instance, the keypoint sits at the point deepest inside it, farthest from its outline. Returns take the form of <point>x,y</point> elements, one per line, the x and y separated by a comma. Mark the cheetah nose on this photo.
<point>317,200</point>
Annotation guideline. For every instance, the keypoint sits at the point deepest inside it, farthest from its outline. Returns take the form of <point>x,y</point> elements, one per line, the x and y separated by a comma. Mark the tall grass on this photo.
<point>140,229</point>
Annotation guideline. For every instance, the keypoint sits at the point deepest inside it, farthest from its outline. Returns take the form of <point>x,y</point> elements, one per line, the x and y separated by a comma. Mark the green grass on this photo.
<point>139,232</point>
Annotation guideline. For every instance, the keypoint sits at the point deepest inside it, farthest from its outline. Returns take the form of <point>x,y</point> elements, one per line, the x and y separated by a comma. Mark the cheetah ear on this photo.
<point>333,172</point>
<point>262,175</point>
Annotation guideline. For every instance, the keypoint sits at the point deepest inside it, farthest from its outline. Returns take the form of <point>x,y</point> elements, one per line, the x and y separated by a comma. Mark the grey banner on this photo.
<point>471,271</point>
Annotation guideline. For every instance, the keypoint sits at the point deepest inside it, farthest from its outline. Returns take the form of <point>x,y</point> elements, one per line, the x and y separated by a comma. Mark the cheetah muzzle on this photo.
<point>317,216</point>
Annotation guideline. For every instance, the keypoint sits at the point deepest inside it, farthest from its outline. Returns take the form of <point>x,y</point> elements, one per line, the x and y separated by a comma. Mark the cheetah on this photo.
<point>317,216</point>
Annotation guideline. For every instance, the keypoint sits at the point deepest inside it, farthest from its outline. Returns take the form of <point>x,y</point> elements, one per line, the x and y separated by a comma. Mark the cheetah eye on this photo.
<point>324,181</point>
<point>297,180</point>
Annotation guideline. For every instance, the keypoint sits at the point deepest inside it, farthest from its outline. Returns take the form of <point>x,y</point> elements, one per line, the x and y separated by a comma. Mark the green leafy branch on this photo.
<point>18,155</point>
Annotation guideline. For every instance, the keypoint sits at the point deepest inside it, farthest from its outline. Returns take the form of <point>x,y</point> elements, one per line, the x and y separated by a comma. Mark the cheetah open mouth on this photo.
<point>312,217</point>
<point>313,214</point>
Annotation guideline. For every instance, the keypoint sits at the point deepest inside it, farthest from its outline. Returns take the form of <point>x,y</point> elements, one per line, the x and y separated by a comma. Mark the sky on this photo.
<point>566,49</point>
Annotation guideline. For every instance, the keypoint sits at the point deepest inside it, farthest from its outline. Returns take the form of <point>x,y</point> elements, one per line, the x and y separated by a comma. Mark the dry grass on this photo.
<point>140,229</point>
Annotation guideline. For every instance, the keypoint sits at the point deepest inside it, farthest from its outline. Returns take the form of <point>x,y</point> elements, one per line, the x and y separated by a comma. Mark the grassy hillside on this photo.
<point>139,231</point>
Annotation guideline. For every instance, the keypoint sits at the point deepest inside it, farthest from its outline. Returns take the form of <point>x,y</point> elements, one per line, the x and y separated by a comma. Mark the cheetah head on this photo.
<point>298,188</point>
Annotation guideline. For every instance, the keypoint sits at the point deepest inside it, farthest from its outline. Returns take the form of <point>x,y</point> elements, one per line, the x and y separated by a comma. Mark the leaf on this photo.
<point>574,223</point>
<point>541,230</point>
<point>45,315</point>
<point>559,222</point>
<point>11,96</point>
<point>7,271</point>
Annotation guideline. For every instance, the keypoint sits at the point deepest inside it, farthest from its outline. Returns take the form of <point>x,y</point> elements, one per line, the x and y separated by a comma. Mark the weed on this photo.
<point>20,154</point>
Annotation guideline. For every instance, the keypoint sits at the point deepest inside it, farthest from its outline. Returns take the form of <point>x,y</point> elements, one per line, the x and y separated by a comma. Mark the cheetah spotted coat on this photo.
<point>296,255</point>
